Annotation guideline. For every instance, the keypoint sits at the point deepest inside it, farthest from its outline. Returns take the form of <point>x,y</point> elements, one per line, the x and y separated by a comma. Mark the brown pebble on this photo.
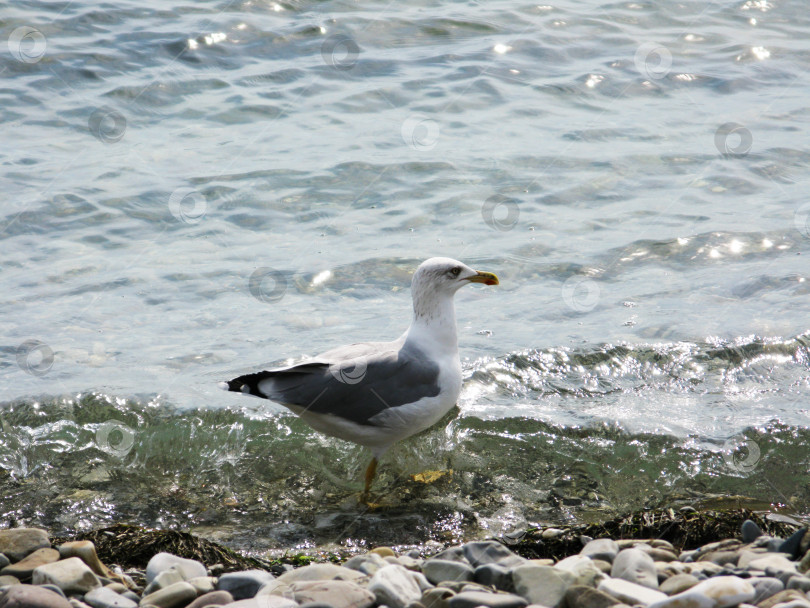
<point>23,568</point>
<point>214,598</point>
<point>783,596</point>
<point>384,551</point>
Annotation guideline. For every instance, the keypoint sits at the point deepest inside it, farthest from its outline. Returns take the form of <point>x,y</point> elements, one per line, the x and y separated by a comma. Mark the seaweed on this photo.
<point>685,529</point>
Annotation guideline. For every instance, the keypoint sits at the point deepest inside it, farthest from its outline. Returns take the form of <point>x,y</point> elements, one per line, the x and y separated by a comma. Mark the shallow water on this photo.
<point>197,191</point>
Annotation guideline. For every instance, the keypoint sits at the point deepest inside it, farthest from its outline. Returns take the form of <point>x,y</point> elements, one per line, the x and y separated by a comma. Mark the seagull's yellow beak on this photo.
<point>487,278</point>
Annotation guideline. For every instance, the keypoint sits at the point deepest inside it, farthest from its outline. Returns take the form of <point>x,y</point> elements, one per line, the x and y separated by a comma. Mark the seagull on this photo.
<point>378,393</point>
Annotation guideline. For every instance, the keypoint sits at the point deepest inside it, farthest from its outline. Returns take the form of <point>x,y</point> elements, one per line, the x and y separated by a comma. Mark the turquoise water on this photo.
<point>201,190</point>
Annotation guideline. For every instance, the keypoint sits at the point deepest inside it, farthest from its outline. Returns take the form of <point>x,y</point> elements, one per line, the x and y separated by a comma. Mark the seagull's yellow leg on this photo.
<point>370,472</point>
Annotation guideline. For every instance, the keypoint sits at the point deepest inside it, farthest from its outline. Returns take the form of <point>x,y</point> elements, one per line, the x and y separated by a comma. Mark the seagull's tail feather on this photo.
<point>273,384</point>
<point>248,384</point>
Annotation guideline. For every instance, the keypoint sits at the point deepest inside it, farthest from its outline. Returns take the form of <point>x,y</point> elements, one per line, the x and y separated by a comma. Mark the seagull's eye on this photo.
<point>455,271</point>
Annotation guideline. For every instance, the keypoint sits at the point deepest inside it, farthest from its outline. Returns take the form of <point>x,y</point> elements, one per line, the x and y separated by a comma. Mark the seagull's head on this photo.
<point>439,278</point>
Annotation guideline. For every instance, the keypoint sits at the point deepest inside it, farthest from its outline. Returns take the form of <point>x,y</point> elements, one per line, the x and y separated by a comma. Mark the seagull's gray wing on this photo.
<point>355,382</point>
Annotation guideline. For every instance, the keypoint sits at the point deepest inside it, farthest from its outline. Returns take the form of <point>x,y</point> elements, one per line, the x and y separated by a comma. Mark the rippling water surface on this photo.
<point>197,190</point>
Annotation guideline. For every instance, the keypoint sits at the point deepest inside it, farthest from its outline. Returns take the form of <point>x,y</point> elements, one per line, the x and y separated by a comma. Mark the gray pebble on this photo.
<point>601,548</point>
<point>244,584</point>
<point>750,531</point>
<point>802,583</point>
<point>189,568</point>
<point>107,598</point>
<point>494,575</point>
<point>473,599</point>
<point>793,544</point>
<point>766,587</point>
<point>438,570</point>
<point>635,566</point>
<point>490,551</point>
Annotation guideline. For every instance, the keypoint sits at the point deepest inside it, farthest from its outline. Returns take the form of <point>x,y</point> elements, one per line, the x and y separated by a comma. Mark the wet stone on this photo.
<point>31,596</point>
<point>23,568</point>
<point>473,599</point>
<point>635,566</point>
<point>245,584</point>
<point>601,548</point>
<point>107,598</point>
<point>438,570</point>
<point>215,598</point>
<point>16,543</point>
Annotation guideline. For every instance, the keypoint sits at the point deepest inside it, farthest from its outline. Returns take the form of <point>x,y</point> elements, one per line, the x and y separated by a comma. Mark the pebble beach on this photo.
<point>753,569</point>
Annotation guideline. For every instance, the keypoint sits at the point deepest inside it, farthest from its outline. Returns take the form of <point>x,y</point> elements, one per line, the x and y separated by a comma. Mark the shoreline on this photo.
<point>685,528</point>
<point>655,559</point>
